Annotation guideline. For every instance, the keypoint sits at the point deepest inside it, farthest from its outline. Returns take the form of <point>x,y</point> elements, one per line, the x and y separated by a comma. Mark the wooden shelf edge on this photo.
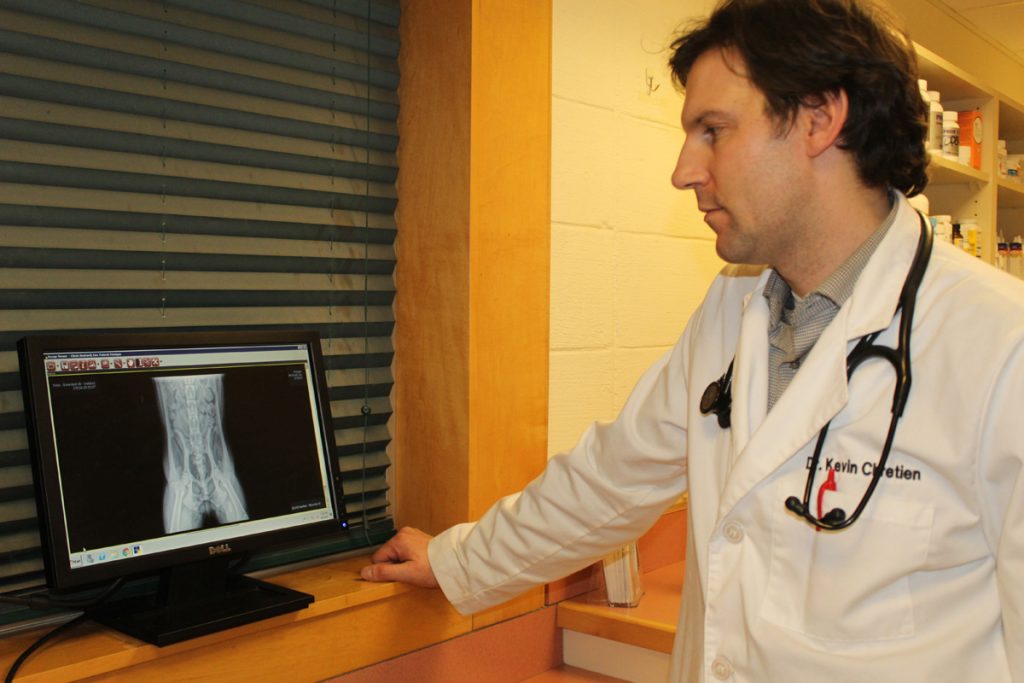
<point>942,171</point>
<point>645,634</point>
<point>1011,194</point>
<point>651,625</point>
<point>92,650</point>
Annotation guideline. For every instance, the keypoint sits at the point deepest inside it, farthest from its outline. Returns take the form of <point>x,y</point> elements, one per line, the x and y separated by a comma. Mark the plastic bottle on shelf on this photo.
<point>1002,254</point>
<point>1013,170</point>
<point>1014,261</point>
<point>951,136</point>
<point>971,236</point>
<point>971,133</point>
<point>943,227</point>
<point>922,87</point>
<point>934,121</point>
<point>1001,157</point>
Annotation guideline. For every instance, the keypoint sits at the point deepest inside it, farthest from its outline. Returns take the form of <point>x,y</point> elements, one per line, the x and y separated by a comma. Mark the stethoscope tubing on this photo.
<point>836,519</point>
<point>717,397</point>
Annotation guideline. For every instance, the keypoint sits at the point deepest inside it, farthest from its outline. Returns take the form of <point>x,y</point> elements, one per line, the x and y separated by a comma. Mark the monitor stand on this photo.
<point>197,599</point>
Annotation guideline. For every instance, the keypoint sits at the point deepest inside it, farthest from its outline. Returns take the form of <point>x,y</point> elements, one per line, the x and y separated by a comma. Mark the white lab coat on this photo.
<point>928,585</point>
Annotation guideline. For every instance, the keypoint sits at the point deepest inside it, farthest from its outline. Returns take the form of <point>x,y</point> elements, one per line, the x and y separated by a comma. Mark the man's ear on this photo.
<point>824,121</point>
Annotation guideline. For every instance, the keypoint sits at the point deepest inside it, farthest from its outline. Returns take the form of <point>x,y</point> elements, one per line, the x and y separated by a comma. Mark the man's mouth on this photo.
<point>710,211</point>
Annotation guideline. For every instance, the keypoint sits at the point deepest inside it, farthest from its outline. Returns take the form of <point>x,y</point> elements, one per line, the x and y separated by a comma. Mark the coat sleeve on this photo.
<point>1002,497</point>
<point>606,491</point>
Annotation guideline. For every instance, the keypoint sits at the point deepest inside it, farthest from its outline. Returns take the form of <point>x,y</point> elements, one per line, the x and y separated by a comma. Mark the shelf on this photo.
<point>651,624</point>
<point>1011,120</point>
<point>942,171</point>
<point>1011,194</point>
<point>951,81</point>
<point>572,674</point>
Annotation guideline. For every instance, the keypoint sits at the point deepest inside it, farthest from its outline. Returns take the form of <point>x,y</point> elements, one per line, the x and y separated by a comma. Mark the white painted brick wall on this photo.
<point>630,256</point>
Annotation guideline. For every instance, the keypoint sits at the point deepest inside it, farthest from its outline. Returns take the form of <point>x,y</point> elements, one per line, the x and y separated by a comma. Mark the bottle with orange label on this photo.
<point>971,136</point>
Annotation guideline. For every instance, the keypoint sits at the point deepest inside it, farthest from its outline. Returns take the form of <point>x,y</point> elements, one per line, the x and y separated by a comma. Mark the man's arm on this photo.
<point>605,492</point>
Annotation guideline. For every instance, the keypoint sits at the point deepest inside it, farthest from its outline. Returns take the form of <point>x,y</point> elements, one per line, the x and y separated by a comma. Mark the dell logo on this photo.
<point>220,549</point>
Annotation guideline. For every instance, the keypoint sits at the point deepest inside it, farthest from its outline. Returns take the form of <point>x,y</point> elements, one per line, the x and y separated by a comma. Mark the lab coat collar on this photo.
<point>762,441</point>
<point>877,292</point>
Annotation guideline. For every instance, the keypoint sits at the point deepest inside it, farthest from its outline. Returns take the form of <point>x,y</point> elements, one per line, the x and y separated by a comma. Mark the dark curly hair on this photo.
<point>797,51</point>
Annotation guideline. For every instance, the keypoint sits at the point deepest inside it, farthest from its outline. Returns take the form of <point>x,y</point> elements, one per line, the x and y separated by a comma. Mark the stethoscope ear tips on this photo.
<point>830,520</point>
<point>834,516</point>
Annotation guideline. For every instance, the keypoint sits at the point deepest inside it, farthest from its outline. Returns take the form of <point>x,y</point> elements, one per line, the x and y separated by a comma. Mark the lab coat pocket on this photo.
<point>851,585</point>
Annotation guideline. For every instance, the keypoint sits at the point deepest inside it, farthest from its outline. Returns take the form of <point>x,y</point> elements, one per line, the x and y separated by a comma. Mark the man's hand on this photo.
<point>404,559</point>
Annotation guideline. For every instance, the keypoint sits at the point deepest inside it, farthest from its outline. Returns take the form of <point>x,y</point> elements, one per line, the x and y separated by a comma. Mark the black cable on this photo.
<point>48,603</point>
<point>67,625</point>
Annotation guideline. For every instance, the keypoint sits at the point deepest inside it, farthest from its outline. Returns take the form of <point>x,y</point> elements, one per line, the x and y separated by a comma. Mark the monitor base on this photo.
<point>169,617</point>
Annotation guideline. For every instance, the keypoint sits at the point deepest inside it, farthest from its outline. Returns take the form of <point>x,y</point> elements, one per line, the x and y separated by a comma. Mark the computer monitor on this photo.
<point>175,454</point>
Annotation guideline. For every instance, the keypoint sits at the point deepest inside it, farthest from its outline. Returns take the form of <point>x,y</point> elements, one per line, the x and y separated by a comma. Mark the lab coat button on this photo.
<point>733,532</point>
<point>721,668</point>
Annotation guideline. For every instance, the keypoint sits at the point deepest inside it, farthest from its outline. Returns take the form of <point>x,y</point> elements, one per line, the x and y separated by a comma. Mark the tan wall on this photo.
<point>630,255</point>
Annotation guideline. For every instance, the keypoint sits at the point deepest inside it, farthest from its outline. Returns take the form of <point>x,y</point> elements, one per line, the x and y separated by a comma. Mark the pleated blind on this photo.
<point>200,164</point>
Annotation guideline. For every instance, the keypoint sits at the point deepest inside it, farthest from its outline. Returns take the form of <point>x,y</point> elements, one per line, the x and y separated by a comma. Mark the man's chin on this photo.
<point>730,252</point>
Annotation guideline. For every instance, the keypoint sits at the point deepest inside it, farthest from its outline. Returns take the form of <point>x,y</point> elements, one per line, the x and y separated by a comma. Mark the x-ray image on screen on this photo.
<point>200,472</point>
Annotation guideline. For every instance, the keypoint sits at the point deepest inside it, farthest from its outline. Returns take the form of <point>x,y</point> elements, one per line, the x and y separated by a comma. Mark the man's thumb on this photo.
<point>373,572</point>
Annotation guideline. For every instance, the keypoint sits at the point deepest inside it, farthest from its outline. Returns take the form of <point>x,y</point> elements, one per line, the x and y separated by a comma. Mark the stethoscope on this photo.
<point>717,398</point>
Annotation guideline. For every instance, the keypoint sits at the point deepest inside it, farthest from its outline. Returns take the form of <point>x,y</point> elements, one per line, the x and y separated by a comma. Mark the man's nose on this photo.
<point>691,171</point>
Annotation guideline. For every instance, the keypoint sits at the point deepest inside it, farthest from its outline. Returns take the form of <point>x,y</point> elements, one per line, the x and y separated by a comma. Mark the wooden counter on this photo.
<point>351,624</point>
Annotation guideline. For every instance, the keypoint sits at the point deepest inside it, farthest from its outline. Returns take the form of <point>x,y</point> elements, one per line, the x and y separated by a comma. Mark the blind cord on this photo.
<point>366,409</point>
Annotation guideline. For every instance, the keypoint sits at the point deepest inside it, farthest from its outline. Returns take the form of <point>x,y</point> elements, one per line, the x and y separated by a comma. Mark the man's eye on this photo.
<point>711,133</point>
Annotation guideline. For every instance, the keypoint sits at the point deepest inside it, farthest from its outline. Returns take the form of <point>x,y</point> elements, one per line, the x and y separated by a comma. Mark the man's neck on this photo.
<point>836,231</point>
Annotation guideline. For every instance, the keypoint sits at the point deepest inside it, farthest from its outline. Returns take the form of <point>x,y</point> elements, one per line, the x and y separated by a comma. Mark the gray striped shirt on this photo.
<point>795,323</point>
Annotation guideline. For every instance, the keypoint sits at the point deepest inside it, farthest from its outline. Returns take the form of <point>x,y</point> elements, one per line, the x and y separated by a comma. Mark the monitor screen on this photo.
<point>152,451</point>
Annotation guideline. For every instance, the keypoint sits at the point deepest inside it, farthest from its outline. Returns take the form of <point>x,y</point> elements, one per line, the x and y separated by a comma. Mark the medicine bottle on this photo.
<point>934,121</point>
<point>922,87</point>
<point>1001,157</point>
<point>1013,166</point>
<point>972,236</point>
<point>950,136</point>
<point>943,227</point>
<point>1014,260</point>
<point>1002,255</point>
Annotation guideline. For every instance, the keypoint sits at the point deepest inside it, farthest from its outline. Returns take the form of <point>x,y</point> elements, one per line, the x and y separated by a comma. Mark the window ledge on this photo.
<point>352,623</point>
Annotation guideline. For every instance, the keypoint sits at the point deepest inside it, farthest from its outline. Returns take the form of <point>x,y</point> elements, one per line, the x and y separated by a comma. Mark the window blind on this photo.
<point>188,164</point>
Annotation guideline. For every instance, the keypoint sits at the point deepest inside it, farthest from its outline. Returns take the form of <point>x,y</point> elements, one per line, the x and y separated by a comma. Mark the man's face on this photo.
<point>746,173</point>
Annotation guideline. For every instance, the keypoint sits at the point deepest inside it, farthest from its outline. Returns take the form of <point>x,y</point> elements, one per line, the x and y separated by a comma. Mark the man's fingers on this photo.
<point>387,553</point>
<point>407,544</point>
<point>403,558</point>
<point>413,573</point>
<point>384,571</point>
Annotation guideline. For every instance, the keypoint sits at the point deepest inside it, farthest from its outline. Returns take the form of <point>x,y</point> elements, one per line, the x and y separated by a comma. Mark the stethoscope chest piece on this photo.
<point>717,399</point>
